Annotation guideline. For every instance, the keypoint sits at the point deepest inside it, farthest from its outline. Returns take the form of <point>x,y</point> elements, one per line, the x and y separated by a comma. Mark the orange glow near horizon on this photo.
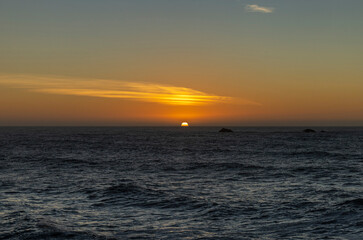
<point>31,100</point>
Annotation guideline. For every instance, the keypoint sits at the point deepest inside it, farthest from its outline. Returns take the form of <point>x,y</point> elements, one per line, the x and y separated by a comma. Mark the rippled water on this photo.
<point>181,183</point>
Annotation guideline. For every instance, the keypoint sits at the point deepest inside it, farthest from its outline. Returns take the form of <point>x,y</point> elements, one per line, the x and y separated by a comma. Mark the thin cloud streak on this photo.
<point>256,8</point>
<point>146,92</point>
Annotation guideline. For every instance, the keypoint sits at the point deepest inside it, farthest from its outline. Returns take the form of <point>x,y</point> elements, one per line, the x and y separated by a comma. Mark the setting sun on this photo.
<point>185,124</point>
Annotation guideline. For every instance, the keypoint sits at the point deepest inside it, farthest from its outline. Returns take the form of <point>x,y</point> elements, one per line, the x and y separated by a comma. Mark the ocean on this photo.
<point>181,183</point>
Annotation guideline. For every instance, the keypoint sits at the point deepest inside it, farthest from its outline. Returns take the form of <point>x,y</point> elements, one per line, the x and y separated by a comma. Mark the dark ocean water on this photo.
<point>181,183</point>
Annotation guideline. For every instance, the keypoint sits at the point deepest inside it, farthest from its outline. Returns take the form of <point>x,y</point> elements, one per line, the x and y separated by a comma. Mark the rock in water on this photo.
<point>225,130</point>
<point>308,130</point>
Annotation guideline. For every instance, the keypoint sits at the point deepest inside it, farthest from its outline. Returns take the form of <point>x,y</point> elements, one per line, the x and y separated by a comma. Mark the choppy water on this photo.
<point>174,183</point>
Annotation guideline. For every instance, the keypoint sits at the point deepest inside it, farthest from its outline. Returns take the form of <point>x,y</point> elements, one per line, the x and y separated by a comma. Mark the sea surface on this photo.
<point>180,183</point>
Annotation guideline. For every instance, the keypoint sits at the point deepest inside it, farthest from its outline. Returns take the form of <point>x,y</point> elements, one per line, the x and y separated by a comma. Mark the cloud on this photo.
<point>146,92</point>
<point>256,8</point>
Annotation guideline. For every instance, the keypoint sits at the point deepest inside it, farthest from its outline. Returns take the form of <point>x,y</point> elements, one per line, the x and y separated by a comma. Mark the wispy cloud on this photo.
<point>146,92</point>
<point>256,8</point>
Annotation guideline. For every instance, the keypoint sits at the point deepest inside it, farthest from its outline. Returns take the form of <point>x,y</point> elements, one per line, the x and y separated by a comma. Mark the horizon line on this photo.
<point>177,126</point>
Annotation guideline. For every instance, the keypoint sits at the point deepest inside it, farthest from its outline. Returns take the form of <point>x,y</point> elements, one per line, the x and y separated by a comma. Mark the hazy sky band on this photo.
<point>283,59</point>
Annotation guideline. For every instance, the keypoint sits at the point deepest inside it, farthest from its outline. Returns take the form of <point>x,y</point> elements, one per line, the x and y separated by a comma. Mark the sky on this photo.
<point>162,62</point>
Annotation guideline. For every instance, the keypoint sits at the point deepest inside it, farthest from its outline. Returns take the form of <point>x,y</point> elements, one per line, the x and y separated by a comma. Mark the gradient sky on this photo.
<point>161,62</point>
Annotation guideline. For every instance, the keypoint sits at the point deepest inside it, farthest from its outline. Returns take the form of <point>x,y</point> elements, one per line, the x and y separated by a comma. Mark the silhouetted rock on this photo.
<point>308,130</point>
<point>323,131</point>
<point>225,130</point>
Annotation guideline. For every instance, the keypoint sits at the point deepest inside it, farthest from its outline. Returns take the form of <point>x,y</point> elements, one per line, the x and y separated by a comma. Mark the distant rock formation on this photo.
<point>225,130</point>
<point>308,130</point>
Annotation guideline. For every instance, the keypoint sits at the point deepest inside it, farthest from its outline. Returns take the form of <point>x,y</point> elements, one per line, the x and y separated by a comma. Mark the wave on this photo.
<point>123,188</point>
<point>307,169</point>
<point>130,194</point>
<point>354,202</point>
<point>47,228</point>
<point>324,154</point>
<point>51,229</point>
<point>222,166</point>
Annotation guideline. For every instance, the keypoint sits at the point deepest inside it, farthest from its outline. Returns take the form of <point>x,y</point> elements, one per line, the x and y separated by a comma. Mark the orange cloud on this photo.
<point>147,92</point>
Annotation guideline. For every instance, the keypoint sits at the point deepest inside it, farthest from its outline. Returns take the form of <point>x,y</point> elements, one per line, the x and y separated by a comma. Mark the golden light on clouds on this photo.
<point>146,92</point>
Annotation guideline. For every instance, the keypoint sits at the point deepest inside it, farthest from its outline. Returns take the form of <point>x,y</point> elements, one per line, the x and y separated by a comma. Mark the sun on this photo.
<point>184,124</point>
